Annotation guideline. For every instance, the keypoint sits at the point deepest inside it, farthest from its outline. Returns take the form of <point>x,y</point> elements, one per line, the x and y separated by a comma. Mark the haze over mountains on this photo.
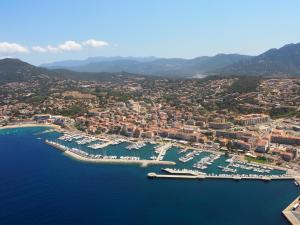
<point>282,61</point>
<point>15,70</point>
<point>274,62</point>
<point>177,67</point>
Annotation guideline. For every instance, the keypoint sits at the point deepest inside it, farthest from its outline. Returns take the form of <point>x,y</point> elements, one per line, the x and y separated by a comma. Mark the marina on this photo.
<point>83,155</point>
<point>94,180</point>
<point>182,161</point>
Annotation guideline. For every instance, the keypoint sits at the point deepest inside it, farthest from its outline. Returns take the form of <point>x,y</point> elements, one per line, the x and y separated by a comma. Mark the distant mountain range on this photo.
<point>77,63</point>
<point>282,61</point>
<point>176,67</point>
<point>15,70</point>
<point>274,62</point>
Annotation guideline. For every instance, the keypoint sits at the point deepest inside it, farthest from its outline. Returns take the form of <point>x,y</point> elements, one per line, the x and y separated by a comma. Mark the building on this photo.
<point>262,146</point>
<point>219,126</point>
<point>252,119</point>
<point>41,117</point>
<point>238,144</point>
<point>287,156</point>
<point>284,139</point>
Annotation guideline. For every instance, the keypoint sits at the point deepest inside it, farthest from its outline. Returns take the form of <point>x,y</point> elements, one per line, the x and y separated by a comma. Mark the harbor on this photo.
<point>181,176</point>
<point>166,156</point>
<point>84,156</point>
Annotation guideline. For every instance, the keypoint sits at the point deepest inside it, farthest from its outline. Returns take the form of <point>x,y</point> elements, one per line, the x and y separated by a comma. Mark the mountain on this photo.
<point>15,70</point>
<point>282,61</point>
<point>177,67</point>
<point>77,63</point>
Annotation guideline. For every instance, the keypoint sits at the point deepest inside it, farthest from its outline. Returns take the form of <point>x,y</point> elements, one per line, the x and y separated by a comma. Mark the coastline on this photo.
<point>56,127</point>
<point>140,162</point>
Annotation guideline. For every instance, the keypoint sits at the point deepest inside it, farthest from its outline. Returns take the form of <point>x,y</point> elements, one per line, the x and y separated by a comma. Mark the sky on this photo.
<point>41,31</point>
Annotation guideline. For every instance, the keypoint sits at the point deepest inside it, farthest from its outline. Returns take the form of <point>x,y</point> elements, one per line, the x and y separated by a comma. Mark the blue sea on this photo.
<point>40,185</point>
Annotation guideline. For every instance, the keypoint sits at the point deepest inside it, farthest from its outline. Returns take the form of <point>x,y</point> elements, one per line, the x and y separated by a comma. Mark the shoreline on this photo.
<point>30,125</point>
<point>144,162</point>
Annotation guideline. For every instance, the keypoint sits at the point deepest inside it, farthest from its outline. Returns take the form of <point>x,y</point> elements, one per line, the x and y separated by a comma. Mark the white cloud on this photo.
<point>12,48</point>
<point>70,46</point>
<point>94,43</point>
<point>67,46</point>
<point>39,49</point>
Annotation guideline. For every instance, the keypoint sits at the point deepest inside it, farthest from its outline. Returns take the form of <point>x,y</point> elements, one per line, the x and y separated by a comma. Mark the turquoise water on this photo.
<point>40,185</point>
<point>146,152</point>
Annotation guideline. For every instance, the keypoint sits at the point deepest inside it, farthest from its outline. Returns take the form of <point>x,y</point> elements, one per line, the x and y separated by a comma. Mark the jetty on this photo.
<point>185,174</point>
<point>162,150</point>
<point>142,162</point>
<point>154,175</point>
<point>105,144</point>
<point>78,154</point>
<point>292,212</point>
<point>56,145</point>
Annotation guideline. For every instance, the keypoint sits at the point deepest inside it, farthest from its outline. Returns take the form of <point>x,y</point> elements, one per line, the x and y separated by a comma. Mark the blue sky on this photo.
<point>39,31</point>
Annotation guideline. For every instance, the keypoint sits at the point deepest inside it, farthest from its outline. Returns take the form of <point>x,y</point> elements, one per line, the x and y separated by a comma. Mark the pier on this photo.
<point>105,144</point>
<point>162,150</point>
<point>56,145</point>
<point>71,153</point>
<point>142,162</point>
<point>292,213</point>
<point>154,175</point>
<point>176,174</point>
<point>183,172</point>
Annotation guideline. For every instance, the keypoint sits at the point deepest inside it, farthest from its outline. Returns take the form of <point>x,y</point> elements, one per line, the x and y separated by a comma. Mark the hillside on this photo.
<point>282,61</point>
<point>15,70</point>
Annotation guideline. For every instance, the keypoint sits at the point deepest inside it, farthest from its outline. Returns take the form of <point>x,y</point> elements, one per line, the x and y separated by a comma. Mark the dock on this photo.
<point>162,151</point>
<point>289,213</point>
<point>142,162</point>
<point>183,172</point>
<point>105,144</point>
<point>56,145</point>
<point>176,174</point>
<point>154,175</point>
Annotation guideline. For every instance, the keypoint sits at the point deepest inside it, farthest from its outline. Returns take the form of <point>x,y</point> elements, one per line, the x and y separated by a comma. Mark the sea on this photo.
<point>41,186</point>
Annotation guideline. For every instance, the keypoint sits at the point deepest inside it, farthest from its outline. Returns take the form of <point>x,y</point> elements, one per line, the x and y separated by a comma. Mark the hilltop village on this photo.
<point>255,118</point>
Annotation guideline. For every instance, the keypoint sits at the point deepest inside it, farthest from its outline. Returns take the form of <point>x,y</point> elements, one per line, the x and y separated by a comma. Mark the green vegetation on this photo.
<point>257,160</point>
<point>280,112</point>
<point>35,100</point>
<point>72,111</point>
<point>245,84</point>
